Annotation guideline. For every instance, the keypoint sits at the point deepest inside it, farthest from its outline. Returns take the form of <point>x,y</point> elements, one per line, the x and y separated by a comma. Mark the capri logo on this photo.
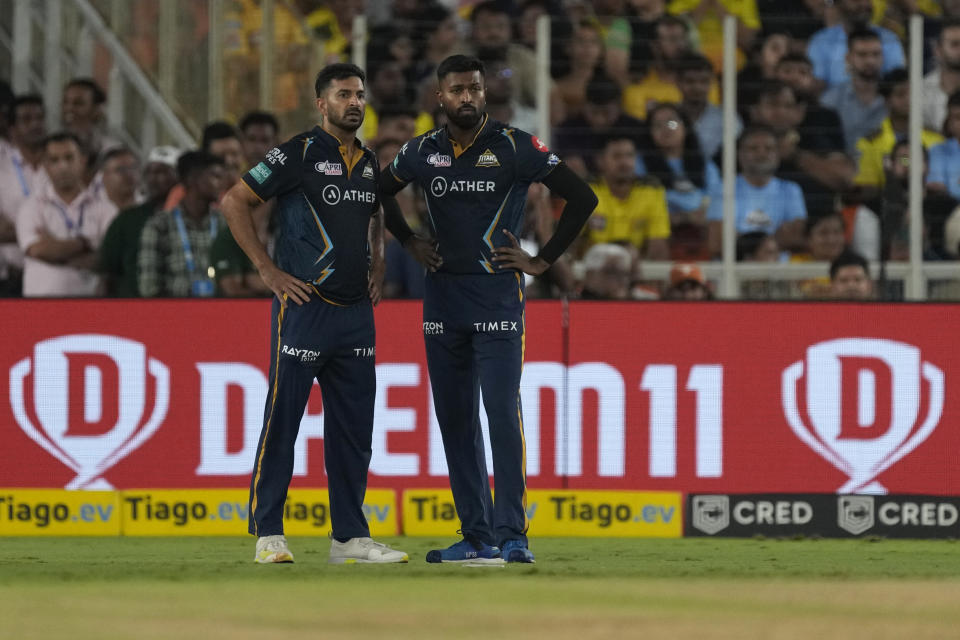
<point>84,399</point>
<point>868,403</point>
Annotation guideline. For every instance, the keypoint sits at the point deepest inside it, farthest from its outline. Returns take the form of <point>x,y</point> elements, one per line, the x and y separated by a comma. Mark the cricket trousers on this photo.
<point>474,334</point>
<point>333,344</point>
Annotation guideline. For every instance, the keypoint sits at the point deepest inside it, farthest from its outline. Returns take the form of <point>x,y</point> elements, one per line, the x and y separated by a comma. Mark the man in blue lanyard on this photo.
<point>175,245</point>
<point>330,266</point>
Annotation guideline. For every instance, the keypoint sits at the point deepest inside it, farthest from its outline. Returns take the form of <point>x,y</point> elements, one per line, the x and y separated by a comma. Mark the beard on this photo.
<point>464,117</point>
<point>869,75</point>
<point>952,65</point>
<point>349,120</point>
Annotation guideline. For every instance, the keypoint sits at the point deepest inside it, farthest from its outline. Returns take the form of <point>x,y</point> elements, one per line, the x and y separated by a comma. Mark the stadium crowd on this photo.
<point>823,108</point>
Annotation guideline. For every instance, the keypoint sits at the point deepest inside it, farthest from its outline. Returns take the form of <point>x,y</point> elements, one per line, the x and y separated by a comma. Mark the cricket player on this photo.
<point>327,276</point>
<point>475,173</point>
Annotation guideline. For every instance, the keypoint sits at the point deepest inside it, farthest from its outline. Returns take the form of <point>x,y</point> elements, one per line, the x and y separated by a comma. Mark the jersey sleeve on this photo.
<point>404,166</point>
<point>534,160</point>
<point>279,171</point>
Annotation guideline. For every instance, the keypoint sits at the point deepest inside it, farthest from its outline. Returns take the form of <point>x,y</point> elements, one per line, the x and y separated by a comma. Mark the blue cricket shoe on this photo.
<point>517,551</point>
<point>470,551</point>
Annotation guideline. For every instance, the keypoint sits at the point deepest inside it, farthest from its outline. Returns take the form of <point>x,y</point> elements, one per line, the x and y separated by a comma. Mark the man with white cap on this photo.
<point>121,245</point>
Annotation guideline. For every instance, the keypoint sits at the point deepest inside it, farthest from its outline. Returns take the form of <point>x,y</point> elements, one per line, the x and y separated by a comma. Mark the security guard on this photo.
<point>325,183</point>
<point>475,173</point>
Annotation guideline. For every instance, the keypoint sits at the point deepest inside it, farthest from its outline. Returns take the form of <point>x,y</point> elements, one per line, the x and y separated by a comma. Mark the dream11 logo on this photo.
<point>89,396</point>
<point>865,401</point>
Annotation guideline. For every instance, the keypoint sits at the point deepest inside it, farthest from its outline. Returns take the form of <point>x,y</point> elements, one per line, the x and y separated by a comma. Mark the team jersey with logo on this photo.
<point>473,193</point>
<point>324,207</point>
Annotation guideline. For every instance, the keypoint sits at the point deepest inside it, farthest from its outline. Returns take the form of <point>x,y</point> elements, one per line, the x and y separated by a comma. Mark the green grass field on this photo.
<point>186,588</point>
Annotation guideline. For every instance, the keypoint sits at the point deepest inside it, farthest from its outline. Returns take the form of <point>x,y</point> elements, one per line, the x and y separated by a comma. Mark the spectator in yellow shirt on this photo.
<point>873,149</point>
<point>629,211</point>
<point>708,16</point>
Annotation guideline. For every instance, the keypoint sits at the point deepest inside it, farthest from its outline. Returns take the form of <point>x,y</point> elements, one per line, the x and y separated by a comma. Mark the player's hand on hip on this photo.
<point>285,285</point>
<point>514,257</point>
<point>375,280</point>
<point>424,251</point>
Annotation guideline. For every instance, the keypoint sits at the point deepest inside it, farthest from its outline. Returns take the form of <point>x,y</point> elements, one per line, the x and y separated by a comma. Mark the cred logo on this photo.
<point>863,401</point>
<point>86,404</point>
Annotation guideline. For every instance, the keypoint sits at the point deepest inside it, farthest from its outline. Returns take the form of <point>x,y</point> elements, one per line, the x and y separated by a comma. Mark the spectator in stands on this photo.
<point>221,139</point>
<point>6,104</point>
<point>944,81</point>
<point>708,17</point>
<point>121,177</point>
<point>825,239</point>
<point>873,149</point>
<point>672,155</point>
<point>388,88</point>
<point>630,211</point>
<point>331,26</point>
<point>763,202</point>
<point>82,115</point>
<point>659,84</point>
<point>687,282</point>
<point>174,258</point>
<point>944,172</point>
<point>818,162</point>
<point>933,25</point>
<point>695,77</point>
<point>502,105</point>
<point>757,246</point>
<point>643,16</point>
<point>259,132</point>
<point>21,175</point>
<point>584,55</point>
<point>607,272</point>
<point>610,16</point>
<point>828,47</point>
<point>60,226</point>
<point>798,19</point>
<point>436,37</point>
<point>397,123</point>
<point>581,138</point>
<point>762,66</point>
<point>850,277</point>
<point>491,29</point>
<point>858,101</point>
<point>893,207</point>
<point>121,244</point>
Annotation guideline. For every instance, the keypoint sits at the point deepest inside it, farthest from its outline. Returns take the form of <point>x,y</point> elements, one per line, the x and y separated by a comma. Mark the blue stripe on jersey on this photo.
<point>487,236</point>
<point>327,242</point>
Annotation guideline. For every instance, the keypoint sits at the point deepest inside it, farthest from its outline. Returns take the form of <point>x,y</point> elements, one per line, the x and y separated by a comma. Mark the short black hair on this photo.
<point>217,130</point>
<point>115,152</point>
<point>691,63</point>
<point>601,89</point>
<point>459,64</point>
<point>813,221</point>
<point>848,258</point>
<point>63,136</point>
<point>862,34</point>
<point>337,71</point>
<point>748,243</point>
<point>670,20</point>
<point>259,117</point>
<point>490,6</point>
<point>795,57</point>
<point>772,87</point>
<point>617,136</point>
<point>390,111</point>
<point>29,98</point>
<point>98,94</point>
<point>193,162</point>
<point>755,130</point>
<point>891,79</point>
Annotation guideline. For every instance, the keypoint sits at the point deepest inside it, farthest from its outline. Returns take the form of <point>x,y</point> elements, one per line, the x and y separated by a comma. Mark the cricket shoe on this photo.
<point>469,551</point>
<point>364,551</point>
<point>517,551</point>
<point>271,549</point>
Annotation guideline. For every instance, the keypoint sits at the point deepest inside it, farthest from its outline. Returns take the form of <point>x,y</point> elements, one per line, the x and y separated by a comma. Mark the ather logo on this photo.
<point>868,403</point>
<point>84,399</point>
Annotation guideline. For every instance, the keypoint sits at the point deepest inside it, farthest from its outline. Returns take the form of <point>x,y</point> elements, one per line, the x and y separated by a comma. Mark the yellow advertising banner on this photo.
<point>58,512</point>
<point>223,512</point>
<point>628,514</point>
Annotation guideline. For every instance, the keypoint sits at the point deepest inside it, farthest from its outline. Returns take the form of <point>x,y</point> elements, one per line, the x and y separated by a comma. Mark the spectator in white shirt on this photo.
<point>60,227</point>
<point>21,174</point>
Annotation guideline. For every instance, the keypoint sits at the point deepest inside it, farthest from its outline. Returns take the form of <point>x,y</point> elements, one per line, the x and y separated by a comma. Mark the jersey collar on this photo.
<point>457,151</point>
<point>323,134</point>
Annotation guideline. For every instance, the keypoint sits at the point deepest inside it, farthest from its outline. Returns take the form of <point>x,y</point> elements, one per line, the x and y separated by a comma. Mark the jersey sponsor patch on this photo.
<point>368,172</point>
<point>260,173</point>
<point>329,168</point>
<point>275,155</point>
<point>539,146</point>
<point>439,160</point>
<point>487,159</point>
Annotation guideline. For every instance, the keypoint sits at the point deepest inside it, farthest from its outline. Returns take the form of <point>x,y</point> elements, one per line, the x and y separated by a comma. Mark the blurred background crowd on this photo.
<point>823,106</point>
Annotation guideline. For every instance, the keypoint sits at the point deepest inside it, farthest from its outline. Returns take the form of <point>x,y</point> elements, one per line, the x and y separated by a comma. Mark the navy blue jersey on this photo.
<point>323,211</point>
<point>474,193</point>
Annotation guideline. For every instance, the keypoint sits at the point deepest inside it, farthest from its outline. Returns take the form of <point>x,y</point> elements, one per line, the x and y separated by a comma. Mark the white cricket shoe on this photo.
<point>364,551</point>
<point>272,549</point>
